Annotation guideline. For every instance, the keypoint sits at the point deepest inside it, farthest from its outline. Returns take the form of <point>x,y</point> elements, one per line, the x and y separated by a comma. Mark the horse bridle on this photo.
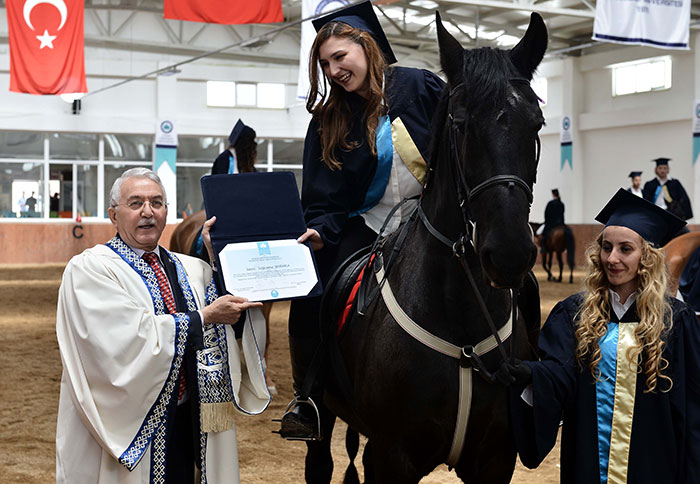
<point>465,196</point>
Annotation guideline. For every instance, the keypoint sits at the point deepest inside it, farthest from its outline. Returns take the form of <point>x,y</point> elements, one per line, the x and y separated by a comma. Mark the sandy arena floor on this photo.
<point>29,384</point>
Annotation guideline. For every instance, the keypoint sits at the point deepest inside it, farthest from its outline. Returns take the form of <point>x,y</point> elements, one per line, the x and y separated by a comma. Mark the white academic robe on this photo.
<point>120,363</point>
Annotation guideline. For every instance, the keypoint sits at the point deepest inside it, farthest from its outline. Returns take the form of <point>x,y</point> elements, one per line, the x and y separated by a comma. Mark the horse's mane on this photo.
<point>485,74</point>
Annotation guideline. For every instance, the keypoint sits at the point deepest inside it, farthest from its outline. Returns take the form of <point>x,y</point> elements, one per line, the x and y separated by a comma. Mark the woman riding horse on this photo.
<point>364,152</point>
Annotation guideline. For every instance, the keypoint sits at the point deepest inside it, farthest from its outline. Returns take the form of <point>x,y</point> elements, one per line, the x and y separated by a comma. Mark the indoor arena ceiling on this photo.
<point>409,24</point>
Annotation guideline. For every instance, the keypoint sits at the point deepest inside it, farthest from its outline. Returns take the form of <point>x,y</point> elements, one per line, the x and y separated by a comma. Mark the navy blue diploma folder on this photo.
<point>254,207</point>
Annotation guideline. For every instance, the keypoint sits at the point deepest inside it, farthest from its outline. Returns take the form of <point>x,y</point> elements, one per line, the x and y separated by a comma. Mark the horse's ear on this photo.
<point>529,52</point>
<point>451,52</point>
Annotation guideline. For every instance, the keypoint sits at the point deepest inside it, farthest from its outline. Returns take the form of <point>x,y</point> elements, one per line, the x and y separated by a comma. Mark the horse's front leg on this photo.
<point>319,461</point>
<point>561,265</point>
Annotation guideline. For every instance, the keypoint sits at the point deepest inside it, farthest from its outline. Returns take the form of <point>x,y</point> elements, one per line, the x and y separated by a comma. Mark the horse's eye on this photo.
<point>502,118</point>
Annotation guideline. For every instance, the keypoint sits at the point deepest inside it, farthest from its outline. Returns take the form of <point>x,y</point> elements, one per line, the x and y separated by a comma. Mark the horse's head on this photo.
<point>490,140</point>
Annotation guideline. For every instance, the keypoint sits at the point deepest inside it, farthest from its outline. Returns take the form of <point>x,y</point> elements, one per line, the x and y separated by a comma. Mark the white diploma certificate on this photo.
<point>263,271</point>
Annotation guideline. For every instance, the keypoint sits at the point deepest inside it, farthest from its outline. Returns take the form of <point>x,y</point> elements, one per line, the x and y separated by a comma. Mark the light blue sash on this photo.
<point>231,164</point>
<point>605,395</point>
<point>385,158</point>
<point>657,192</point>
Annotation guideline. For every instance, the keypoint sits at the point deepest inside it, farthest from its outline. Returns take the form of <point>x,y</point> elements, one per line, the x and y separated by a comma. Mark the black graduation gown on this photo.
<point>665,438</point>
<point>220,166</point>
<point>677,192</point>
<point>553,214</point>
<point>329,196</point>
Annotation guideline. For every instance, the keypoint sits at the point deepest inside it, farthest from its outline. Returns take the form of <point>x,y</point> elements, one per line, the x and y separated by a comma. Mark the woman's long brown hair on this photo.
<point>331,109</point>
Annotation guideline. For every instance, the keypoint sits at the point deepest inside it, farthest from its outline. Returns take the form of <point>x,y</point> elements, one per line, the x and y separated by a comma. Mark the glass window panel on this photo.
<point>221,93</point>
<point>657,75</point>
<point>204,149</point>
<point>61,190</point>
<point>189,188</point>
<point>112,172</point>
<point>643,77</point>
<point>625,80</point>
<point>271,95</point>
<point>245,94</point>
<point>73,146</point>
<point>87,190</point>
<point>21,145</point>
<point>287,152</point>
<point>18,181</point>
<point>128,147</point>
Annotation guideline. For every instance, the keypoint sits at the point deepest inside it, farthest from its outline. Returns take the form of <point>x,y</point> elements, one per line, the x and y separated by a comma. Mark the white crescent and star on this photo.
<point>45,39</point>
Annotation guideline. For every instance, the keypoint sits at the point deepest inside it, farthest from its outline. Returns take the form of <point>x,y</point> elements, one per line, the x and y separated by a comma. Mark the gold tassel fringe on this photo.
<point>217,417</point>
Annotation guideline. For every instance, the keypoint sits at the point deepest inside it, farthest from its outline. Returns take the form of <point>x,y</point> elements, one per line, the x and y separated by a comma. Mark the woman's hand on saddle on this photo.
<point>227,309</point>
<point>312,236</point>
<point>206,237</point>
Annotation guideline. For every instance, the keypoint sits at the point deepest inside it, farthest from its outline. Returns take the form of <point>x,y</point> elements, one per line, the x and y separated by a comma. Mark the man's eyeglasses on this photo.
<point>138,204</point>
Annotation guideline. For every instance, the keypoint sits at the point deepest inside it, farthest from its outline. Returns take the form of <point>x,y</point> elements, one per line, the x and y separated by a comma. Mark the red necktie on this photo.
<point>152,259</point>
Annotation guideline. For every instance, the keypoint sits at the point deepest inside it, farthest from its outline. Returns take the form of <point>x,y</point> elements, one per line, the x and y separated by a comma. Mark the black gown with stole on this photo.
<point>329,197</point>
<point>664,443</point>
<point>680,203</point>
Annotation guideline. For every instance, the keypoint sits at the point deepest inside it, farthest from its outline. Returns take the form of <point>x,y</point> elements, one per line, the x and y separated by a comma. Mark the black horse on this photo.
<point>559,240</point>
<point>452,269</point>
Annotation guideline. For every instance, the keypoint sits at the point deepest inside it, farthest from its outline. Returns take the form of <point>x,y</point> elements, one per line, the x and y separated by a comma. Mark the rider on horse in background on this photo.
<point>553,216</point>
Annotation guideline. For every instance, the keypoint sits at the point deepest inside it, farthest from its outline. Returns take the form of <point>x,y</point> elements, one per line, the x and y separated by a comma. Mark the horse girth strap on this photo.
<point>462,354</point>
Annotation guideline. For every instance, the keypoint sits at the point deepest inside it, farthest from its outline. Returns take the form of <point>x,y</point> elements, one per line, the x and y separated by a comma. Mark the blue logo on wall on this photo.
<point>697,112</point>
<point>566,123</point>
<point>264,248</point>
<point>274,293</point>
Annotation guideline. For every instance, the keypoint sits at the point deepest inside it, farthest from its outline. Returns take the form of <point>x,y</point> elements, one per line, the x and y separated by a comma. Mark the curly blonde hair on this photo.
<point>655,315</point>
<point>331,109</point>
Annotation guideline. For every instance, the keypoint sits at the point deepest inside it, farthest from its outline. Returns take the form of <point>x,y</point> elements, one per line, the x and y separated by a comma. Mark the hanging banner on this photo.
<point>229,12</point>
<point>311,8</point>
<point>46,46</point>
<point>567,148</point>
<point>696,132</point>
<point>659,23</point>
<point>165,162</point>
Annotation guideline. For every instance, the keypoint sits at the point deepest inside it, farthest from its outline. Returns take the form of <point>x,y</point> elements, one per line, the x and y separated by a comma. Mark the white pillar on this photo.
<point>166,109</point>
<point>571,179</point>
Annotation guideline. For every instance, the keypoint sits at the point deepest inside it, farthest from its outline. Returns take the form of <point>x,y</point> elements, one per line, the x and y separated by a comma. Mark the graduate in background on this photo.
<point>365,150</point>
<point>636,188</point>
<point>619,365</point>
<point>667,192</point>
<point>241,154</point>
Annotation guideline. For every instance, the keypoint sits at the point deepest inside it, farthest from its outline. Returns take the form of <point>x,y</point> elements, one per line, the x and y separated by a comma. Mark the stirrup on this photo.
<point>298,401</point>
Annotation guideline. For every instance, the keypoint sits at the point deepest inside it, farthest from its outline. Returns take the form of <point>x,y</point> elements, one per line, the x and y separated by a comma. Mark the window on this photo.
<point>19,181</point>
<point>221,94</point>
<point>21,145</point>
<point>271,95</point>
<point>128,147</point>
<point>246,94</point>
<point>73,146</point>
<point>641,76</point>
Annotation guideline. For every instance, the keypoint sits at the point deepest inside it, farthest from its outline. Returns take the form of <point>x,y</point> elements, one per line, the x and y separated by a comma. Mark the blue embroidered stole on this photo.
<point>213,380</point>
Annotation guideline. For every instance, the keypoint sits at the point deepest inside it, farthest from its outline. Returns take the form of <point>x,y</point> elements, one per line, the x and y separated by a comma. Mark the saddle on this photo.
<point>339,296</point>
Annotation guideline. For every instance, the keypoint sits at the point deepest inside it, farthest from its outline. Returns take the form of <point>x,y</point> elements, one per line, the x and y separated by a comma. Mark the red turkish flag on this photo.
<point>228,12</point>
<point>46,46</point>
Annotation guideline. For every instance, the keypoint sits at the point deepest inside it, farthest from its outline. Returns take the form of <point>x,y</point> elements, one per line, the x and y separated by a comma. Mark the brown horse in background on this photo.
<point>559,239</point>
<point>186,239</point>
<point>678,252</point>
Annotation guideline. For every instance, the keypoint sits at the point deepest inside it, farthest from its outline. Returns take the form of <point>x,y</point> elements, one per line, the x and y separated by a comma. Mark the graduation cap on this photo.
<point>661,161</point>
<point>651,222</point>
<point>360,16</point>
<point>634,173</point>
<point>238,130</point>
<point>555,192</point>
